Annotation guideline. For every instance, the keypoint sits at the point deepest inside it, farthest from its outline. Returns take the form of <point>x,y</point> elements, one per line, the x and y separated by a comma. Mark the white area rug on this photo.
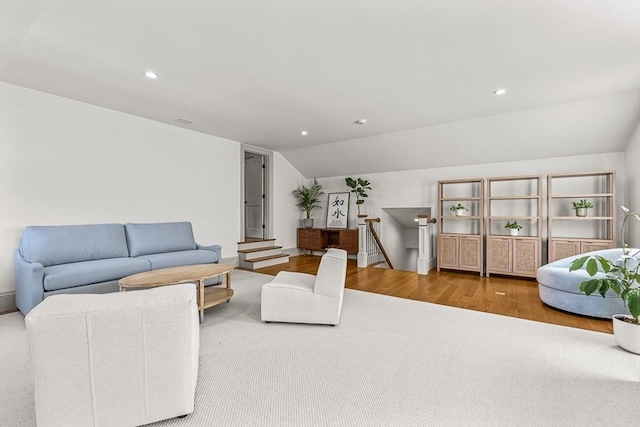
<point>390,362</point>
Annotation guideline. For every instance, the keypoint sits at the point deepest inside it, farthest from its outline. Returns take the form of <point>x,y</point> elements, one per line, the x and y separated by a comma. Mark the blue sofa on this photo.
<point>92,258</point>
<point>560,288</point>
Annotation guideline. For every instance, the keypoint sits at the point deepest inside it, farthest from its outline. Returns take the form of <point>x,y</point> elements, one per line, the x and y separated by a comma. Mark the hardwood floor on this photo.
<point>507,296</point>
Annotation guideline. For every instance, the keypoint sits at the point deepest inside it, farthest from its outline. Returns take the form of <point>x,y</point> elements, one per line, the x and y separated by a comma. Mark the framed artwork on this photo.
<point>337,210</point>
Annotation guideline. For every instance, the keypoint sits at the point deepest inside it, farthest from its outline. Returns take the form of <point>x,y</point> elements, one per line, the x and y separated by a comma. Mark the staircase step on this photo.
<point>249,251</point>
<point>258,253</point>
<point>251,244</point>
<point>265,261</point>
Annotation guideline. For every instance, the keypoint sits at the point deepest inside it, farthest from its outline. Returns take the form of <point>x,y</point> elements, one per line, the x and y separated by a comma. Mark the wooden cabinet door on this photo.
<point>448,251</point>
<point>499,255</point>
<point>563,248</point>
<point>595,246</point>
<point>311,239</point>
<point>470,250</point>
<point>526,259</point>
<point>348,240</point>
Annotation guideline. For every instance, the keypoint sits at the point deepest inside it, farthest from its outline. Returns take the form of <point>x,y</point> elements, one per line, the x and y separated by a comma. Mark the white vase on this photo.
<point>627,334</point>
<point>459,212</point>
<point>513,232</point>
<point>581,211</point>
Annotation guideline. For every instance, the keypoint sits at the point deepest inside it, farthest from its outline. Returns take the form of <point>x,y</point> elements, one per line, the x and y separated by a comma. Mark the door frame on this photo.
<point>268,189</point>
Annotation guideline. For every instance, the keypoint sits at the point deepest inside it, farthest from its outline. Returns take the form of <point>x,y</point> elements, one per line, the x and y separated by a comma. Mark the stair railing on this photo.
<point>370,249</point>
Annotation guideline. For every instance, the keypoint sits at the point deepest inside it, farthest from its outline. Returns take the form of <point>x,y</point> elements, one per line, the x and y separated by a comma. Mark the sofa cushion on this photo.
<point>175,259</point>
<point>62,244</point>
<point>87,272</point>
<point>157,238</point>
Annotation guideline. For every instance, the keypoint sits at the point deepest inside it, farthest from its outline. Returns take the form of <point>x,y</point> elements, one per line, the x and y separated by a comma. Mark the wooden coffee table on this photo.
<point>207,297</point>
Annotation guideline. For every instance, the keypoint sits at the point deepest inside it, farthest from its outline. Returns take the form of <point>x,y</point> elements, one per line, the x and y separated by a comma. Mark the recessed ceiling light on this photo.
<point>151,74</point>
<point>499,92</point>
<point>303,132</point>
<point>361,121</point>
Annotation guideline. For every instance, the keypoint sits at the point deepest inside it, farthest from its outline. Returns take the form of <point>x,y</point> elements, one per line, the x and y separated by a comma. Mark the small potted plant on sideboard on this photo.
<point>581,207</point>
<point>513,227</point>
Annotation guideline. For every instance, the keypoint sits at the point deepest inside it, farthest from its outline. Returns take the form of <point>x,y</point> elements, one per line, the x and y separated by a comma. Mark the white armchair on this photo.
<point>304,298</point>
<point>117,359</point>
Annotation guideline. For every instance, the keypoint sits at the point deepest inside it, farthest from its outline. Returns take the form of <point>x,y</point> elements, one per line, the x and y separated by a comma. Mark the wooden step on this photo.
<point>248,251</point>
<point>265,261</point>
<point>252,244</point>
<point>258,253</point>
<point>251,240</point>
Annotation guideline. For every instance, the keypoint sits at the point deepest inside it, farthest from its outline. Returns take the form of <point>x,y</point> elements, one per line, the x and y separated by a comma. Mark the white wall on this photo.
<point>418,188</point>
<point>67,162</point>
<point>287,215</point>
<point>632,178</point>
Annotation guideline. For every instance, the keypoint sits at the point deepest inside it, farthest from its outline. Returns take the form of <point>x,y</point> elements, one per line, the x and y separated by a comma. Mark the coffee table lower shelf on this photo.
<point>214,296</point>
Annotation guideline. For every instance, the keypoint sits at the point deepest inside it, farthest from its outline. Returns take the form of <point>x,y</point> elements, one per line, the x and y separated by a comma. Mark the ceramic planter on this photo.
<point>459,212</point>
<point>581,211</point>
<point>627,334</point>
<point>513,231</point>
<point>307,222</point>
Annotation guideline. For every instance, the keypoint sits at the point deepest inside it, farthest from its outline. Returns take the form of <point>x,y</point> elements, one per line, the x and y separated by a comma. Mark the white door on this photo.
<point>254,195</point>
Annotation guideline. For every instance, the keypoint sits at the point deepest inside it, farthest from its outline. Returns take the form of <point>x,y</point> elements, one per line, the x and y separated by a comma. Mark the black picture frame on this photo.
<point>338,210</point>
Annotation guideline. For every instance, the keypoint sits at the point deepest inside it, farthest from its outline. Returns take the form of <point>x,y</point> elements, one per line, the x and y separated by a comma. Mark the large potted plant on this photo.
<point>358,186</point>
<point>622,277</point>
<point>308,199</point>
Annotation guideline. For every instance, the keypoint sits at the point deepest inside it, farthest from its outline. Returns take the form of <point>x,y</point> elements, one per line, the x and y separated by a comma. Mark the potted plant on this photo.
<point>308,200</point>
<point>513,227</point>
<point>622,276</point>
<point>581,207</point>
<point>458,209</point>
<point>358,186</point>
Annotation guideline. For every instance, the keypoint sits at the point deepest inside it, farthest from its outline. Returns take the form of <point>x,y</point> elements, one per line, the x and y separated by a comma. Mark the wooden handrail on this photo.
<point>378,242</point>
<point>429,219</point>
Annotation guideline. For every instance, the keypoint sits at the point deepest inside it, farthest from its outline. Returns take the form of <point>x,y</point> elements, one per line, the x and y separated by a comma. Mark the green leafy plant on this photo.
<point>458,207</point>
<point>358,186</point>
<point>308,197</point>
<point>581,204</point>
<point>513,224</point>
<point>621,275</point>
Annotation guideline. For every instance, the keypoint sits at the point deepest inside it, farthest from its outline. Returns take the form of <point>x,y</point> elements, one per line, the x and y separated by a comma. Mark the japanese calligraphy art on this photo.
<point>337,210</point>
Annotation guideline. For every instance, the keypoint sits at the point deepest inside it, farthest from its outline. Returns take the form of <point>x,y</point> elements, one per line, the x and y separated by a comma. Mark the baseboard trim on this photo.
<point>8,302</point>
<point>292,251</point>
<point>231,260</point>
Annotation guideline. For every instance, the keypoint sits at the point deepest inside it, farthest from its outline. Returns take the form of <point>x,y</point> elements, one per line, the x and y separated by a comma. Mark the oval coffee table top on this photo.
<point>174,275</point>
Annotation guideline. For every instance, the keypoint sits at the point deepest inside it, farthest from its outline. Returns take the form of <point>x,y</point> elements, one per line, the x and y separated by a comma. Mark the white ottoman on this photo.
<point>119,359</point>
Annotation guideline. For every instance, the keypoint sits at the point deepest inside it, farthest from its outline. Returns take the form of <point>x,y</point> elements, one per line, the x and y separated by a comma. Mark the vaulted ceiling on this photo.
<point>421,73</point>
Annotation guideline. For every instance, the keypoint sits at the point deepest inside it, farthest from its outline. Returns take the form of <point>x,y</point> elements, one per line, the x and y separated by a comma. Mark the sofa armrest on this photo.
<point>29,282</point>
<point>215,248</point>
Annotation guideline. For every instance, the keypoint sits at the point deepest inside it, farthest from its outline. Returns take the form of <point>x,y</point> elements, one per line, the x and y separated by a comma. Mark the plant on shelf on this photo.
<point>308,199</point>
<point>622,276</point>
<point>513,227</point>
<point>358,186</point>
<point>581,207</point>
<point>458,209</point>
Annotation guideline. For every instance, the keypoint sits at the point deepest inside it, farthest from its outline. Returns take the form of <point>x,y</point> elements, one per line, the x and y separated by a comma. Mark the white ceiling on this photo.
<point>421,73</point>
